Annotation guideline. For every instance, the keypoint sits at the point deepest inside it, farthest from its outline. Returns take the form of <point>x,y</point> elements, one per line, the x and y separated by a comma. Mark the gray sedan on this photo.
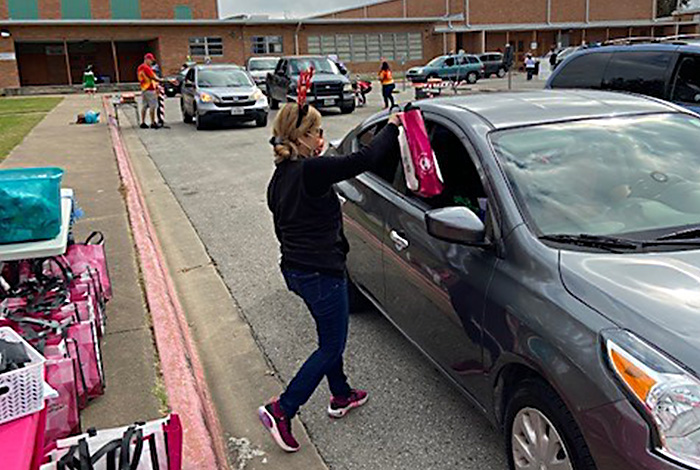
<point>556,280</point>
<point>220,93</point>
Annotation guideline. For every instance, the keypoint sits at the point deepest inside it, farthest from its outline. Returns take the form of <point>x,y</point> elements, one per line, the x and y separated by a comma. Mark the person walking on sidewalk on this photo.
<point>530,66</point>
<point>386,78</point>
<point>148,80</point>
<point>308,224</point>
<point>89,84</point>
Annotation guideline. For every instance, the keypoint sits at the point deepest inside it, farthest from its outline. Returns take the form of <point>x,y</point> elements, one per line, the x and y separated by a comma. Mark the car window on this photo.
<point>462,182</point>
<point>610,176</point>
<point>364,138</point>
<point>190,76</point>
<point>320,65</point>
<point>449,62</point>
<point>473,60</point>
<point>223,78</point>
<point>261,64</point>
<point>585,71</point>
<point>642,72</point>
<point>686,88</point>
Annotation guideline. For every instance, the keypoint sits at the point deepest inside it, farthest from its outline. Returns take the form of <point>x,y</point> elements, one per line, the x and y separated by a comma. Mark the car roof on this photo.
<point>218,66</point>
<point>516,109</point>
<point>290,57</point>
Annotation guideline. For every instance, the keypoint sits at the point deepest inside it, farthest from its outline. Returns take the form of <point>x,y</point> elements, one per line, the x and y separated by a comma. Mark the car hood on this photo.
<point>654,295</point>
<point>222,92</point>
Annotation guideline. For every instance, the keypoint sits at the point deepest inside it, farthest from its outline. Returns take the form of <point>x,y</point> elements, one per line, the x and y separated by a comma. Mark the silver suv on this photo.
<point>221,93</point>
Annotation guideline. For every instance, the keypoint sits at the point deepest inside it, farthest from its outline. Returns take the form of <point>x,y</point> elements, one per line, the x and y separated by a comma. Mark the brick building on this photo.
<point>49,42</point>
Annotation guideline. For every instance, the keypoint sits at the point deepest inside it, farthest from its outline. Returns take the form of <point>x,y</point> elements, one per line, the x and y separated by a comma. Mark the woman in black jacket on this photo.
<point>308,225</point>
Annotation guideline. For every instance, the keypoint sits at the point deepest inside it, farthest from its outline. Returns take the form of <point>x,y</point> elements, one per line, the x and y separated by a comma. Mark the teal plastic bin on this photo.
<point>30,204</point>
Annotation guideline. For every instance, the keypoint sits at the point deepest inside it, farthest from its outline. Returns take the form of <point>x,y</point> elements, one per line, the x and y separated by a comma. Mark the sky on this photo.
<point>278,8</point>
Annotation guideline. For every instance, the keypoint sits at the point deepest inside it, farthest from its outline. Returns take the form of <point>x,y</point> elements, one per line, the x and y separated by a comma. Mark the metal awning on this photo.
<point>557,26</point>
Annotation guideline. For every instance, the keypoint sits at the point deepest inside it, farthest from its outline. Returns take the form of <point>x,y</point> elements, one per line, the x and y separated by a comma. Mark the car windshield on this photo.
<point>262,64</point>
<point>436,62</point>
<point>320,65</point>
<point>223,78</point>
<point>634,175</point>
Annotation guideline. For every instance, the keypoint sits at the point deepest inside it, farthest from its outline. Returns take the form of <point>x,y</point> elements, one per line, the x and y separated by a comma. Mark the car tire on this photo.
<point>261,121</point>
<point>201,121</point>
<point>472,77</point>
<point>186,118</point>
<point>501,72</point>
<point>347,109</point>
<point>431,76</point>
<point>535,400</point>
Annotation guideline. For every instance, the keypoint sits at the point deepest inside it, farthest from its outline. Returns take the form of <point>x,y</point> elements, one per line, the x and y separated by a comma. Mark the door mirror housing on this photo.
<point>456,225</point>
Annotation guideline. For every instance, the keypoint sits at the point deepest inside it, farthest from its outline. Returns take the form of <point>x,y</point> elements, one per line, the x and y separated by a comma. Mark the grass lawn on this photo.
<point>18,116</point>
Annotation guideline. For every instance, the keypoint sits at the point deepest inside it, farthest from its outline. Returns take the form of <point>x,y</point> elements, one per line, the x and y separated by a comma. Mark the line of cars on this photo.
<point>556,279</point>
<point>459,67</point>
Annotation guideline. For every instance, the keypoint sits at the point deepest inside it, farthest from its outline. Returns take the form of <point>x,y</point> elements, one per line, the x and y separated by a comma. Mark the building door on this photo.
<point>41,63</point>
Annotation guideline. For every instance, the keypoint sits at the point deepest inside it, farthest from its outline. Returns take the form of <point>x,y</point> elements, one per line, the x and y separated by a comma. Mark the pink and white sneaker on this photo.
<point>274,419</point>
<point>339,406</point>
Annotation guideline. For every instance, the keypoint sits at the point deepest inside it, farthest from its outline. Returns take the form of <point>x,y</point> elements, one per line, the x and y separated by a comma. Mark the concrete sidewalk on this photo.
<point>130,359</point>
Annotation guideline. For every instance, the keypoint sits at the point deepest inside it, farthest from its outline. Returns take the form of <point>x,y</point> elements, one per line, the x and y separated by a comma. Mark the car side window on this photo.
<point>473,60</point>
<point>387,173</point>
<point>642,72</point>
<point>462,182</point>
<point>686,86</point>
<point>585,71</point>
<point>449,62</point>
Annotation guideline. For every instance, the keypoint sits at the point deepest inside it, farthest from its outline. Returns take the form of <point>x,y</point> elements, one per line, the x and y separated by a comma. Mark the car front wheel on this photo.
<point>472,77</point>
<point>541,433</point>
<point>501,72</point>
<point>201,121</point>
<point>348,108</point>
<point>261,121</point>
<point>186,117</point>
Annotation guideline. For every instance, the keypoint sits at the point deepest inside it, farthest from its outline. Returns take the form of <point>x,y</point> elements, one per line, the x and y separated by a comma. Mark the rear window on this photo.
<point>585,71</point>
<point>638,72</point>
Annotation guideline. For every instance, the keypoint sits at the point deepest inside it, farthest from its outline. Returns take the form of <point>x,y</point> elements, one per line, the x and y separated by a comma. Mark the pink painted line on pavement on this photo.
<point>187,389</point>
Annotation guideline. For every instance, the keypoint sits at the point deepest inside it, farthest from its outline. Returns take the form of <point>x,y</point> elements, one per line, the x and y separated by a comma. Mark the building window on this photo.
<point>23,9</point>
<point>126,9</point>
<point>75,10</point>
<point>183,12</point>
<point>267,44</point>
<point>369,47</point>
<point>206,47</point>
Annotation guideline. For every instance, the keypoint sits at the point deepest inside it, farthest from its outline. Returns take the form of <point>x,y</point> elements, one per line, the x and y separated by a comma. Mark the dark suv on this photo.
<point>664,70</point>
<point>329,87</point>
<point>493,64</point>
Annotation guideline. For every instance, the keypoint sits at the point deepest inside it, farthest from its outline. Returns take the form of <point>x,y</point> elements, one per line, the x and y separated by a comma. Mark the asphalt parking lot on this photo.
<point>415,418</point>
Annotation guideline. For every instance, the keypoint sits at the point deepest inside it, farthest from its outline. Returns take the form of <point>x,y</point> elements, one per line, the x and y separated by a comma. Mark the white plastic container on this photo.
<point>21,390</point>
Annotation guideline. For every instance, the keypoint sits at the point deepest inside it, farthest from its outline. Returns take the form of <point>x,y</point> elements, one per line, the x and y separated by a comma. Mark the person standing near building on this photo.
<point>89,81</point>
<point>148,81</point>
<point>309,226</point>
<point>553,58</point>
<point>530,66</point>
<point>387,80</point>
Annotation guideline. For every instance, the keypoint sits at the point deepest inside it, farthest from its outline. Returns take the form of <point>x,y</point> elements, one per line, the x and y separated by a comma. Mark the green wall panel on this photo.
<point>23,9</point>
<point>126,9</point>
<point>183,12</point>
<point>76,10</point>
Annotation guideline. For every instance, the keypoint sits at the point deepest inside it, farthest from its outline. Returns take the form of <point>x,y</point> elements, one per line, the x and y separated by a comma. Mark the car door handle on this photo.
<point>400,243</point>
<point>342,199</point>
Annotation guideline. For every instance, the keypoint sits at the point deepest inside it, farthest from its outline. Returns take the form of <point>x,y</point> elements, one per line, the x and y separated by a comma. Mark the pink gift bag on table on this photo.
<point>63,417</point>
<point>84,334</point>
<point>91,254</point>
<point>421,168</point>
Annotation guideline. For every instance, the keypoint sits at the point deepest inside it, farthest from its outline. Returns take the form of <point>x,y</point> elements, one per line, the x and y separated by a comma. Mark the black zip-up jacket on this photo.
<point>305,208</point>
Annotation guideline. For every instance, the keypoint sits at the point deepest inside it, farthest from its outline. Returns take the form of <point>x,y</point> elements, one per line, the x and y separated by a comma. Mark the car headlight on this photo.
<point>258,95</point>
<point>347,87</point>
<point>206,97</point>
<point>668,394</point>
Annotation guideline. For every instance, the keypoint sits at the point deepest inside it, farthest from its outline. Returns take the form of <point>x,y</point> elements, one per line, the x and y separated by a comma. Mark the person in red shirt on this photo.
<point>148,80</point>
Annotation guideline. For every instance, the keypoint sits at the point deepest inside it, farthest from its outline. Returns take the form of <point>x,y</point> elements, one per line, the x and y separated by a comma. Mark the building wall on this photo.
<point>500,11</point>
<point>568,10</point>
<point>621,10</point>
<point>101,9</point>
<point>9,77</point>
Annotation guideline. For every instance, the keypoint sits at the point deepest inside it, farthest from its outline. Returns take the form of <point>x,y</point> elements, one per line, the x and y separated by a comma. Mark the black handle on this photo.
<point>100,241</point>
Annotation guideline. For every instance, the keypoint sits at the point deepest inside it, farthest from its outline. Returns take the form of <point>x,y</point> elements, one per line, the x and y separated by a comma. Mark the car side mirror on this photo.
<point>456,225</point>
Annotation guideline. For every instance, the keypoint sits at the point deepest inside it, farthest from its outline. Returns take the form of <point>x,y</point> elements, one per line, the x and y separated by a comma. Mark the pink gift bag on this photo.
<point>90,356</point>
<point>91,254</point>
<point>421,168</point>
<point>63,418</point>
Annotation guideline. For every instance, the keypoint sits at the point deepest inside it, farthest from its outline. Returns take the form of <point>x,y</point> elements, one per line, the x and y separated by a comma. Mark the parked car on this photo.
<point>449,67</point>
<point>493,64</point>
<point>329,87</point>
<point>221,93</point>
<point>173,83</point>
<point>259,67</point>
<point>556,279</point>
<point>666,71</point>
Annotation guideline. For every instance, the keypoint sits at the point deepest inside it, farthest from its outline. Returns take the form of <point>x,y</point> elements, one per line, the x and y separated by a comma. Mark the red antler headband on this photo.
<point>303,86</point>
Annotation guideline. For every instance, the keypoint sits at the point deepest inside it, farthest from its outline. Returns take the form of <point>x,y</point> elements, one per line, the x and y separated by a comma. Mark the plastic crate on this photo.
<point>30,204</point>
<point>21,390</point>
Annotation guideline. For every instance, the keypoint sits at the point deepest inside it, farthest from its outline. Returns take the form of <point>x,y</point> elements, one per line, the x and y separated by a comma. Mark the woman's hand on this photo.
<point>395,120</point>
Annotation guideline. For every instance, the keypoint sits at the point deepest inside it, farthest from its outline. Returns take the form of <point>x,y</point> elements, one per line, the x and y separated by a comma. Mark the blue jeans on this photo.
<point>327,299</point>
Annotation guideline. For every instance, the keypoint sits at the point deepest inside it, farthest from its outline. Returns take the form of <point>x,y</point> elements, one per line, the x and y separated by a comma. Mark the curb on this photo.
<point>187,389</point>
